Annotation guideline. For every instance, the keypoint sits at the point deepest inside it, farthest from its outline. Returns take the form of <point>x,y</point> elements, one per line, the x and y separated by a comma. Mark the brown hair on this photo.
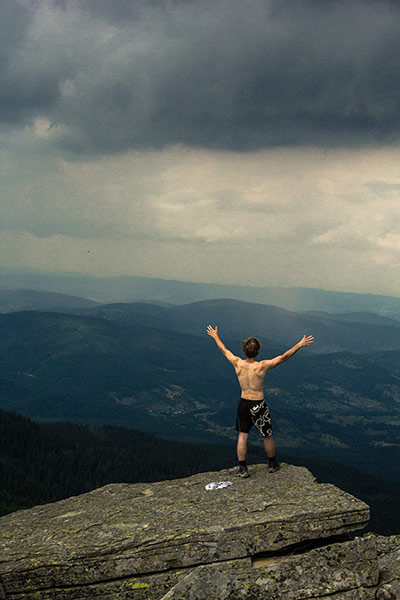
<point>251,347</point>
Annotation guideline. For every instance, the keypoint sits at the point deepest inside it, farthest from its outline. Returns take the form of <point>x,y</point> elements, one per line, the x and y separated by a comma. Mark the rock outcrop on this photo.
<point>272,536</point>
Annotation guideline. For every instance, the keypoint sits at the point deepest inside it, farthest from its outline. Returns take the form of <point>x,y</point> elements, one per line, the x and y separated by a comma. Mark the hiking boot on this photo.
<point>272,468</point>
<point>243,472</point>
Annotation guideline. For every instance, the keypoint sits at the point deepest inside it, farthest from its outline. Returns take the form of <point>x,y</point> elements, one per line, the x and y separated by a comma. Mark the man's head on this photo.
<point>251,347</point>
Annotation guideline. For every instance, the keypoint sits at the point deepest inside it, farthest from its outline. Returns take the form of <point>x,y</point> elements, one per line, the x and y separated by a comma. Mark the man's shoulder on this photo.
<point>265,363</point>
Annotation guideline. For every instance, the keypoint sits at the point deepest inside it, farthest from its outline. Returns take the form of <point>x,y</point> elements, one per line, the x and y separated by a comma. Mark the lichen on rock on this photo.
<point>150,540</point>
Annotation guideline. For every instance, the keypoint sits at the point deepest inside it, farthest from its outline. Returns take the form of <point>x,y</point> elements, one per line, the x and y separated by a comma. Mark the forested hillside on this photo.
<point>341,406</point>
<point>44,462</point>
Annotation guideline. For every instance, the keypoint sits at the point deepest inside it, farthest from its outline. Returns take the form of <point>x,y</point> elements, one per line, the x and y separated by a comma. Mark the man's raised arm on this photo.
<point>274,362</point>
<point>213,332</point>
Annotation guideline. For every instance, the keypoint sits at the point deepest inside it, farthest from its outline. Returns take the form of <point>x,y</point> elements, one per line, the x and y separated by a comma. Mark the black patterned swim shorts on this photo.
<point>254,412</point>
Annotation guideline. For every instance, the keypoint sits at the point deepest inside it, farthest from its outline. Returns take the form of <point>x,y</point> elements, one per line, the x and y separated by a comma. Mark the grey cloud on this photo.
<point>383,186</point>
<point>229,75</point>
<point>33,62</point>
<point>15,19</point>
<point>117,11</point>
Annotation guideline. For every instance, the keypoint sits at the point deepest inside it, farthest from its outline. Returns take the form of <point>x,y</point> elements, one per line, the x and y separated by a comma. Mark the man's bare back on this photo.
<point>251,375</point>
<point>251,372</point>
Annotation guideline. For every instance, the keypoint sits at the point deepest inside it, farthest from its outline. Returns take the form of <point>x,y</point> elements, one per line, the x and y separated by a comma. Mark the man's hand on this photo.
<point>306,341</point>
<point>213,332</point>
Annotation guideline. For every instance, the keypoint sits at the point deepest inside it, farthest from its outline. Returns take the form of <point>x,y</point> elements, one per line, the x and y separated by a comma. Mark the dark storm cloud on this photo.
<point>15,19</point>
<point>228,74</point>
<point>32,63</point>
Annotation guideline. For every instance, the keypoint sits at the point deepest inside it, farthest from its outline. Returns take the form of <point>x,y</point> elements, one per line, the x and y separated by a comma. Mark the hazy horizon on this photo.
<point>132,288</point>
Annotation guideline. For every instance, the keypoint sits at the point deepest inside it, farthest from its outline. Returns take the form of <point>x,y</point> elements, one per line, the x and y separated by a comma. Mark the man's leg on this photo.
<point>261,418</point>
<point>242,446</point>
<point>269,447</point>
<point>242,454</point>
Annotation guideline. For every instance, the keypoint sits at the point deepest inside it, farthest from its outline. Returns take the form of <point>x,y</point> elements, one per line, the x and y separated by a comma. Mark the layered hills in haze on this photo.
<point>130,288</point>
<point>152,367</point>
<point>24,299</point>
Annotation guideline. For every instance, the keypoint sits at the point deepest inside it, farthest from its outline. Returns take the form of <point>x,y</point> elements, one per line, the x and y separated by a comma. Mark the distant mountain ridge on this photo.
<point>133,288</point>
<point>335,332</point>
<point>277,326</point>
<point>25,299</point>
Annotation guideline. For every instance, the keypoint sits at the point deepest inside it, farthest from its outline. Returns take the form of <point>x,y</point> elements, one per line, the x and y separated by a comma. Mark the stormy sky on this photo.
<point>252,142</point>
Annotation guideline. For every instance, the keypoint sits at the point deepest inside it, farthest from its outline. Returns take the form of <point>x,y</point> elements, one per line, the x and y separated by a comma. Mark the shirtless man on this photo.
<point>253,409</point>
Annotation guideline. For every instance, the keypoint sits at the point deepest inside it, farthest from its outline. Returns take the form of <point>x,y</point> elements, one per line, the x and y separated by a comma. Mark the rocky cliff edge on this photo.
<point>273,536</point>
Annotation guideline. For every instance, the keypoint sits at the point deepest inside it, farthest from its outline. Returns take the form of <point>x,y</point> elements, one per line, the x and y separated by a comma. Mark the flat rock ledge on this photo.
<point>273,536</point>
